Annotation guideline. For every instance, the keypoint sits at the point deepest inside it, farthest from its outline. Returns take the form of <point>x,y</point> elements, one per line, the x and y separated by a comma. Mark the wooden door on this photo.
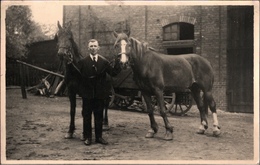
<point>240,58</point>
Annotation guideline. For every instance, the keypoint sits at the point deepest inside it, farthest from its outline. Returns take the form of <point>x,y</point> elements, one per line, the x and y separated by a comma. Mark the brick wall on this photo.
<point>146,22</point>
<point>213,34</point>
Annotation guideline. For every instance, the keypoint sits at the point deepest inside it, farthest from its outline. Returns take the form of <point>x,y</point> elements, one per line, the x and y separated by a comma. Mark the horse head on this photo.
<point>65,41</point>
<point>122,47</point>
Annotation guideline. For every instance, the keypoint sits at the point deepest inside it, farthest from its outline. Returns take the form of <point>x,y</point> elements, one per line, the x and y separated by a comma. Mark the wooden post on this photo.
<point>22,81</point>
<point>54,85</point>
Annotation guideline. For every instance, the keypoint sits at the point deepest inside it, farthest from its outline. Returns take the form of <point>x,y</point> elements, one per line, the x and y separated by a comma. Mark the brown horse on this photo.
<point>70,55</point>
<point>156,73</point>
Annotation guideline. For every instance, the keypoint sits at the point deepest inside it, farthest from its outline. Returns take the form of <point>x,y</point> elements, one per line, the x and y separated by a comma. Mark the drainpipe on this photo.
<point>146,20</point>
<point>201,38</point>
<point>220,37</point>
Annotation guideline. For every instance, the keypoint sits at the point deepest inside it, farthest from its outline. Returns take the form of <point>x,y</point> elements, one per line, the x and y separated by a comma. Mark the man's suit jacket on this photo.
<point>94,76</point>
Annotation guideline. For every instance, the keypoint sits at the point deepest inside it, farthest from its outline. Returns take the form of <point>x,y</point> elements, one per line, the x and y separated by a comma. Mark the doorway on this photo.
<point>240,59</point>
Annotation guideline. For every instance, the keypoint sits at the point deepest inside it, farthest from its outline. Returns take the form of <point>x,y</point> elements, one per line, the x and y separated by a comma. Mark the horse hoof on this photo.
<point>106,127</point>
<point>168,136</point>
<point>201,131</point>
<point>216,132</point>
<point>150,134</point>
<point>69,135</point>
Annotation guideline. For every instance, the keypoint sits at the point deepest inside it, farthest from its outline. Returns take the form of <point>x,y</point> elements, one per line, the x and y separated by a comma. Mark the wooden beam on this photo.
<point>41,69</point>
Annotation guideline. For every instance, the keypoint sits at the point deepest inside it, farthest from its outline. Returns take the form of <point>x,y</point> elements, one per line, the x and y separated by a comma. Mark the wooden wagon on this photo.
<point>124,92</point>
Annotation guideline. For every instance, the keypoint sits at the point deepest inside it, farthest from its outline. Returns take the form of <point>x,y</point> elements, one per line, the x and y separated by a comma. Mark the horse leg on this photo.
<point>168,127</point>
<point>212,105</point>
<point>72,98</point>
<point>154,127</point>
<point>202,108</point>
<point>105,120</point>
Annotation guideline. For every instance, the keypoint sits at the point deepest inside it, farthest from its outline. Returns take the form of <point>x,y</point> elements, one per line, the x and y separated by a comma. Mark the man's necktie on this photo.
<point>94,58</point>
<point>95,61</point>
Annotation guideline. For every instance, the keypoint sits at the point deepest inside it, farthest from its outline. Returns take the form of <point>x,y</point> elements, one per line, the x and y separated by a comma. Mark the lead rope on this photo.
<point>72,62</point>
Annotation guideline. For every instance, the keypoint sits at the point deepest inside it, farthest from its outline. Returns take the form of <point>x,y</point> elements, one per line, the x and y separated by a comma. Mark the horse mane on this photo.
<point>78,55</point>
<point>139,47</point>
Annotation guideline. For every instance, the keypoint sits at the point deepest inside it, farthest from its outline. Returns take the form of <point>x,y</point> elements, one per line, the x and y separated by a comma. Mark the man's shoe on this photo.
<point>83,137</point>
<point>101,141</point>
<point>87,142</point>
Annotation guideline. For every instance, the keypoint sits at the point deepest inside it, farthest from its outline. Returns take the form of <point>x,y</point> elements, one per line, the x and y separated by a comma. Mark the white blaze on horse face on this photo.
<point>123,51</point>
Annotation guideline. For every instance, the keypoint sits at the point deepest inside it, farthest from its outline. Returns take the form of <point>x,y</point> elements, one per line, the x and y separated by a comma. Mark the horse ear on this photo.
<point>56,37</point>
<point>115,34</point>
<point>59,26</point>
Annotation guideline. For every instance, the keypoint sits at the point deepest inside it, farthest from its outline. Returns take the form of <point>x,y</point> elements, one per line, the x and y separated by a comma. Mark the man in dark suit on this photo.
<point>94,68</point>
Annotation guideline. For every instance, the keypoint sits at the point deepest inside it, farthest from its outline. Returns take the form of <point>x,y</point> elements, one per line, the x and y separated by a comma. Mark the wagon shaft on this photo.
<point>41,69</point>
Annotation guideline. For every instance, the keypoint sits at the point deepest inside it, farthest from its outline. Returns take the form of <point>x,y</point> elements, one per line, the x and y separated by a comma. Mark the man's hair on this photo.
<point>93,40</point>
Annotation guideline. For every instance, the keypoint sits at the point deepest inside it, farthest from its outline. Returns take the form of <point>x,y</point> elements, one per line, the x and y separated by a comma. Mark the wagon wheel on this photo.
<point>182,104</point>
<point>111,97</point>
<point>123,101</point>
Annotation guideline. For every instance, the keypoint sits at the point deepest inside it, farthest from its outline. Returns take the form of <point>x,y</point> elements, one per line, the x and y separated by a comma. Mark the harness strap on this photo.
<point>75,67</point>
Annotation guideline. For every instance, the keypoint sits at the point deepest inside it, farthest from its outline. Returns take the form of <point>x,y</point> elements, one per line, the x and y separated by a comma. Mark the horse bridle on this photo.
<point>70,57</point>
<point>130,61</point>
<point>69,54</point>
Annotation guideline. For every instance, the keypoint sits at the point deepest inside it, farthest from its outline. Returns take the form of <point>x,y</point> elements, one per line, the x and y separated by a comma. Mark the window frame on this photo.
<point>171,32</point>
<point>176,28</point>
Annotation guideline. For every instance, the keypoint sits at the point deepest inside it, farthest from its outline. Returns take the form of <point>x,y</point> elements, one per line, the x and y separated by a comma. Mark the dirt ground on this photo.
<point>35,129</point>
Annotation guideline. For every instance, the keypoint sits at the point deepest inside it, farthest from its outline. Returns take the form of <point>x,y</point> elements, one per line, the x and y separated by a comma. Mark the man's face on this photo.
<point>93,47</point>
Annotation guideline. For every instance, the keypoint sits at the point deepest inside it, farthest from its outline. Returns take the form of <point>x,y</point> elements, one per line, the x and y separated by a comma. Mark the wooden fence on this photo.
<point>31,77</point>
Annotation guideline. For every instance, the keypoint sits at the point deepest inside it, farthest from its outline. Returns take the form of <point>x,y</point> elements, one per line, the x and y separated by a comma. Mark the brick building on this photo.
<point>222,34</point>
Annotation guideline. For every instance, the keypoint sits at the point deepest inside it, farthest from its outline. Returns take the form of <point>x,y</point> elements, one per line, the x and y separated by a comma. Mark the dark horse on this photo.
<point>155,73</point>
<point>69,54</point>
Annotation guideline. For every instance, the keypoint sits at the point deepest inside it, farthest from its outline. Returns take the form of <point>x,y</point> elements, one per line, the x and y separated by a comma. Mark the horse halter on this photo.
<point>68,54</point>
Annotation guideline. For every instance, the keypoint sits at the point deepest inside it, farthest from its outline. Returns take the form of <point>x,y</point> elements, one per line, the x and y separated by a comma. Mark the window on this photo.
<point>178,31</point>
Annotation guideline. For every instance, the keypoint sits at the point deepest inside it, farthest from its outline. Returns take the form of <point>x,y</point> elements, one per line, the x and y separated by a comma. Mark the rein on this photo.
<point>70,60</point>
<point>75,67</point>
<point>110,62</point>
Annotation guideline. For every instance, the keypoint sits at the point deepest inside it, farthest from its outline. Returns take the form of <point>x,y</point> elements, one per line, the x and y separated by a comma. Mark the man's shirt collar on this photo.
<point>96,56</point>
